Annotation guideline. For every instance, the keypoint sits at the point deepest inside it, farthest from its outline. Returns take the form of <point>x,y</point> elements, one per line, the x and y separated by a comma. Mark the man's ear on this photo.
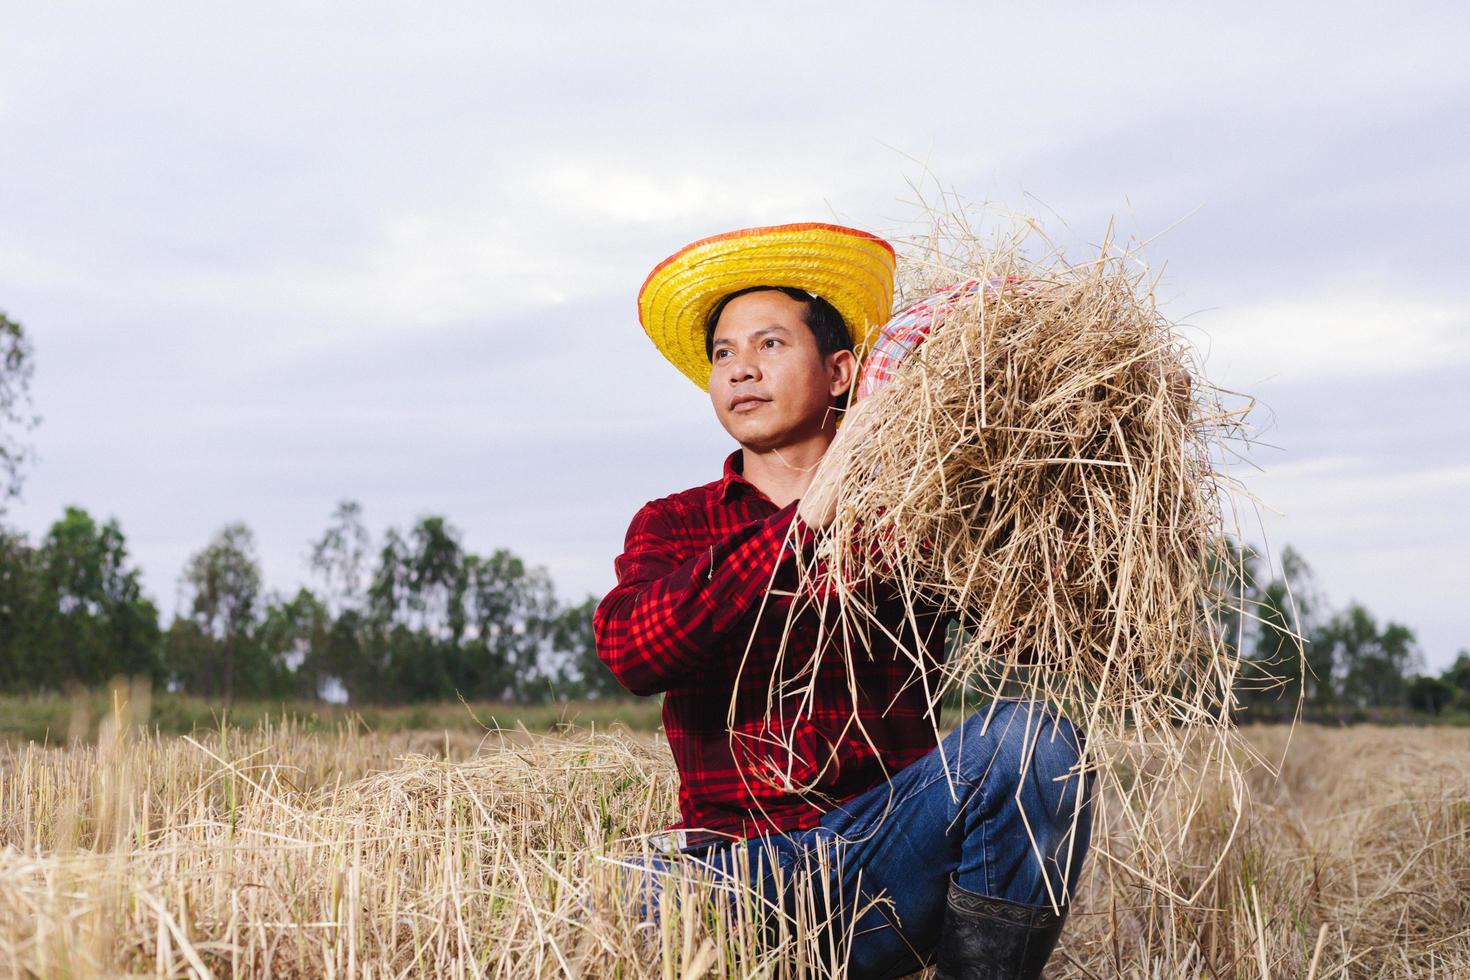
<point>841,371</point>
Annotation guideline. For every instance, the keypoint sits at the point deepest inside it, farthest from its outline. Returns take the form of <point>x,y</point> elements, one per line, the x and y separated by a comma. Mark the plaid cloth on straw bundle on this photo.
<point>902,334</point>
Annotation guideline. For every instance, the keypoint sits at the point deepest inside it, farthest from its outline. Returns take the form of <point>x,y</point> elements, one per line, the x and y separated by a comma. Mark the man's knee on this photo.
<point>1013,740</point>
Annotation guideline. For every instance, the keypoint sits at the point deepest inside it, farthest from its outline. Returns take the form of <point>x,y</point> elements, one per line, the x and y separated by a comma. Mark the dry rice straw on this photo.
<point>1046,466</point>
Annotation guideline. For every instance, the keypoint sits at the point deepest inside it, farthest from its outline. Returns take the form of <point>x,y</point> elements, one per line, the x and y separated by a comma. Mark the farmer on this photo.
<point>787,748</point>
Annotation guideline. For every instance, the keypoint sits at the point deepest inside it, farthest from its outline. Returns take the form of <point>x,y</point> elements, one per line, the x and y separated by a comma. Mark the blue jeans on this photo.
<point>997,806</point>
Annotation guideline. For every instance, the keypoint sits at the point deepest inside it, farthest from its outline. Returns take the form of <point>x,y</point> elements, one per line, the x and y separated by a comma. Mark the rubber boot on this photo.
<point>993,939</point>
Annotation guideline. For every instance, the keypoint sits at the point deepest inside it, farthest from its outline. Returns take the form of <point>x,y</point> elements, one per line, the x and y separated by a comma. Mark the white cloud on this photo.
<point>1358,332</point>
<point>421,268</point>
<point>606,193</point>
<point>1356,482</point>
<point>26,269</point>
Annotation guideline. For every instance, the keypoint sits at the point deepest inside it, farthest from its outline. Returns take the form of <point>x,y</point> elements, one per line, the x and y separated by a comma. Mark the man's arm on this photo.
<point>669,612</point>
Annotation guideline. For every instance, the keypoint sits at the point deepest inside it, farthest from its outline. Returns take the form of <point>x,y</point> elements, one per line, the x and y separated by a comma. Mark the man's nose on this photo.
<point>743,368</point>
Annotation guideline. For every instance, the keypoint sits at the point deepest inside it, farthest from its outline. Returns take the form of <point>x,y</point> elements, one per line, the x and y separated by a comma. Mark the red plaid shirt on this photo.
<point>701,611</point>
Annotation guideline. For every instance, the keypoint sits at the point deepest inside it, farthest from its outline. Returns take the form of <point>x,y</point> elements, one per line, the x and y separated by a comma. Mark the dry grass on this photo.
<point>277,852</point>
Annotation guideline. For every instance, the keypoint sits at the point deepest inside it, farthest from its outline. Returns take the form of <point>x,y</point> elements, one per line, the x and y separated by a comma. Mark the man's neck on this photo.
<point>783,474</point>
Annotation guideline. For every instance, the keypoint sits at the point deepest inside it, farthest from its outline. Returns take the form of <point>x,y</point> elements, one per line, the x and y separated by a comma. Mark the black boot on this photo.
<point>993,939</point>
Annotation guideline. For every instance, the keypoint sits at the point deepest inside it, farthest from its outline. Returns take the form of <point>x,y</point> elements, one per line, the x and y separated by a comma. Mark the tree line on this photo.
<point>1336,663</point>
<point>414,617</point>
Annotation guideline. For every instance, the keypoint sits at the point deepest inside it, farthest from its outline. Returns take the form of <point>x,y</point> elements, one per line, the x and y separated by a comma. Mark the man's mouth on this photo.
<point>746,403</point>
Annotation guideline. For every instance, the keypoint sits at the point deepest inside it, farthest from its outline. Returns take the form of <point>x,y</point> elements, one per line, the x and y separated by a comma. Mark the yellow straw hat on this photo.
<point>850,269</point>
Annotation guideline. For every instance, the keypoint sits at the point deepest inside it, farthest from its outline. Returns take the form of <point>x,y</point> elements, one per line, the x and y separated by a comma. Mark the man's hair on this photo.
<point>821,317</point>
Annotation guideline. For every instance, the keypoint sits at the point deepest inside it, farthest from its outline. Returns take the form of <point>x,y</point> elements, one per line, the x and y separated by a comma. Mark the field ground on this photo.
<point>303,849</point>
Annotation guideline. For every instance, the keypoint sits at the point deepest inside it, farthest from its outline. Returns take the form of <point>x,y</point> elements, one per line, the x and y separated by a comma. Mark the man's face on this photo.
<point>770,385</point>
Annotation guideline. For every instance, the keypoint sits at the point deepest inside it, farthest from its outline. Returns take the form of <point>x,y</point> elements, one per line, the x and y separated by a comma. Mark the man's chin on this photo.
<point>759,436</point>
<point>756,438</point>
<point>765,441</point>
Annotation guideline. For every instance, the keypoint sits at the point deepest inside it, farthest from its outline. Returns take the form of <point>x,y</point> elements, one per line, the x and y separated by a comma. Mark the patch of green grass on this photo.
<point>56,718</point>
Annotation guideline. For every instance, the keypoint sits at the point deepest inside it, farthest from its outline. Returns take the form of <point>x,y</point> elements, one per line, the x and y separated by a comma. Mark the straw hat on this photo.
<point>850,269</point>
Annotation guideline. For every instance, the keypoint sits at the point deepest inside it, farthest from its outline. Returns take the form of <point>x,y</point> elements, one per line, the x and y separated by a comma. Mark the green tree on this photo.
<point>341,556</point>
<point>95,623</point>
<point>419,582</point>
<point>17,365</point>
<point>1372,665</point>
<point>1234,571</point>
<point>295,636</point>
<point>1284,610</point>
<point>1396,659</point>
<point>512,612</point>
<point>346,656</point>
<point>416,611</point>
<point>442,622</point>
<point>437,578</point>
<point>1430,694</point>
<point>212,650</point>
<point>388,593</point>
<point>1457,675</point>
<point>585,675</point>
<point>23,663</point>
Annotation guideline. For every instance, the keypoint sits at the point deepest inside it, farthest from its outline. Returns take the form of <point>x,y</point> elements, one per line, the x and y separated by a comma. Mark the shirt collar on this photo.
<point>733,481</point>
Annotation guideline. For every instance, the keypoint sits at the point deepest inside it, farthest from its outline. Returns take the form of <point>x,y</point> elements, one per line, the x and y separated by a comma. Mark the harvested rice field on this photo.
<point>288,852</point>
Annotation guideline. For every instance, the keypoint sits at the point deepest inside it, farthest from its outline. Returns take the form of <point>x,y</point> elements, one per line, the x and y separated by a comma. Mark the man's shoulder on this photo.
<point>695,500</point>
<point>679,523</point>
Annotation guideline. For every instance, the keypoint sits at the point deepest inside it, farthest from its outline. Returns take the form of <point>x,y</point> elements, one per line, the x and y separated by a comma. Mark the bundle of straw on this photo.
<point>1043,467</point>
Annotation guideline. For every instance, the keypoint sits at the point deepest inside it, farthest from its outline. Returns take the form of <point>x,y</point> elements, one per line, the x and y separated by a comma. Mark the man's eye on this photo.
<point>771,341</point>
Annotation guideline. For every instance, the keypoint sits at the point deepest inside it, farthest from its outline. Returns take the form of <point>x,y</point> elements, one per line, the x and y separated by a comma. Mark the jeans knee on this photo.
<point>1014,740</point>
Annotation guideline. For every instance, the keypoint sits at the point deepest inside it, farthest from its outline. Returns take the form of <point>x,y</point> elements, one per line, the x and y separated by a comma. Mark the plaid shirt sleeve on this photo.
<point>659,624</point>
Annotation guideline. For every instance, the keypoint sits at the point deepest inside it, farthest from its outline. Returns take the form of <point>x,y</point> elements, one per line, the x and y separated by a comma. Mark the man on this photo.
<point>792,742</point>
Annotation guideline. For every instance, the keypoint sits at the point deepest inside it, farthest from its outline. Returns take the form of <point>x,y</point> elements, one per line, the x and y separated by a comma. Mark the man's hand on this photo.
<point>818,506</point>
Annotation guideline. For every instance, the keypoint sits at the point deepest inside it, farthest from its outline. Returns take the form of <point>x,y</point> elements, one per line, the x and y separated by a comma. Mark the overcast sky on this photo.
<point>274,255</point>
